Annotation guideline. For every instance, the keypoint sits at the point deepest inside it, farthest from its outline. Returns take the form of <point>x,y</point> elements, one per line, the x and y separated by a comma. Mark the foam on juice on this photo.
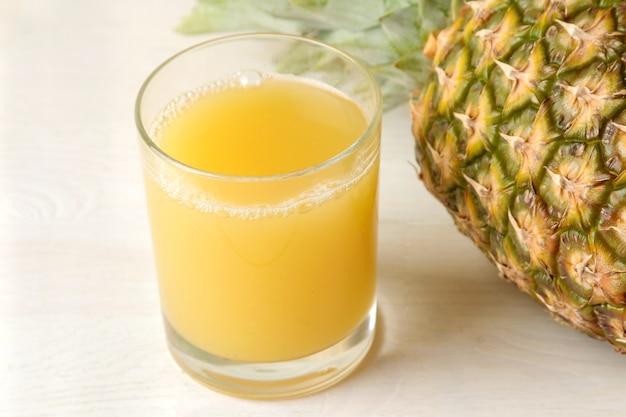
<point>175,182</point>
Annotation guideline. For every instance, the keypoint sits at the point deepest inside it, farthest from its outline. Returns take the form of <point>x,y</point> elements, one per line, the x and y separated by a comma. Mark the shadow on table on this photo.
<point>434,286</point>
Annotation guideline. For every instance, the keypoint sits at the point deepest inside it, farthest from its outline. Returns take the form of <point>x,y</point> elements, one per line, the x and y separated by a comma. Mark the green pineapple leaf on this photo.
<point>386,35</point>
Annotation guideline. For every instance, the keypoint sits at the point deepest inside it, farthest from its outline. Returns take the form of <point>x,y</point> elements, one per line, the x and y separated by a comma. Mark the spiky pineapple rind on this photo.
<point>521,134</point>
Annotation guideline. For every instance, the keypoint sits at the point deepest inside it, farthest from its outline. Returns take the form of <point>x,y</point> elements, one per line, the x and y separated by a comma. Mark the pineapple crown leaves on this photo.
<point>386,35</point>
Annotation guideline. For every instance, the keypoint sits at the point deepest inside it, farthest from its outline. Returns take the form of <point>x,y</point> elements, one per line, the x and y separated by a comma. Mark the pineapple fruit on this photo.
<point>519,120</point>
<point>521,134</point>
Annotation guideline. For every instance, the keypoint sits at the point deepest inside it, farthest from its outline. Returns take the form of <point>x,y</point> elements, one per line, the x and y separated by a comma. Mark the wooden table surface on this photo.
<point>80,326</point>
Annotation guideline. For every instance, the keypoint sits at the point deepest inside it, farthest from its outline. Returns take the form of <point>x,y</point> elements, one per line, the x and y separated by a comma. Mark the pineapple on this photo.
<point>519,120</point>
<point>521,134</point>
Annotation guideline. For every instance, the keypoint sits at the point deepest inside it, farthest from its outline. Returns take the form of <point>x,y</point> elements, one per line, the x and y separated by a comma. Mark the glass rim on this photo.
<point>372,124</point>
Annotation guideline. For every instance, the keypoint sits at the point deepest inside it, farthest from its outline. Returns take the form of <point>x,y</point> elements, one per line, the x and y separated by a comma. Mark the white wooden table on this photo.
<point>80,327</point>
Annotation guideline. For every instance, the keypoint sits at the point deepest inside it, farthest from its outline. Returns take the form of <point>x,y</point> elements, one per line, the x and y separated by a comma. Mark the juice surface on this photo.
<point>291,273</point>
<point>279,126</point>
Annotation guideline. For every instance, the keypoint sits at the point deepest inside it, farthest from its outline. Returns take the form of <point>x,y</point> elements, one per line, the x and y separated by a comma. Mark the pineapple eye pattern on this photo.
<point>521,134</point>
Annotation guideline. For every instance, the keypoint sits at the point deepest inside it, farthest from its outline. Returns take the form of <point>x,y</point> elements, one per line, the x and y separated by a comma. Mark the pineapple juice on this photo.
<point>266,270</point>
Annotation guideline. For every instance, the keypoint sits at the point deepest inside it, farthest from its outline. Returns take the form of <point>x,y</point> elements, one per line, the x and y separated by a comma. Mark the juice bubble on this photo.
<point>221,212</point>
<point>250,78</point>
<point>306,206</point>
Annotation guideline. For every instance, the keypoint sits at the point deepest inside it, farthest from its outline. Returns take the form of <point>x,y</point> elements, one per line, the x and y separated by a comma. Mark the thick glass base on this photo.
<point>275,380</point>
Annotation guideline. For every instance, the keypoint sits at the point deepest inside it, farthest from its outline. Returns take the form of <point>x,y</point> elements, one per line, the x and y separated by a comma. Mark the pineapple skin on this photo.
<point>521,134</point>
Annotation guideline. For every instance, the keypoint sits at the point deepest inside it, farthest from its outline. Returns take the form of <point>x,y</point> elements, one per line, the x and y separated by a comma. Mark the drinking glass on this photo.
<point>267,282</point>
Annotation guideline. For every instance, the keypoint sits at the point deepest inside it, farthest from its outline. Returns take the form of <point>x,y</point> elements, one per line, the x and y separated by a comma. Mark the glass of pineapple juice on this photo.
<point>260,156</point>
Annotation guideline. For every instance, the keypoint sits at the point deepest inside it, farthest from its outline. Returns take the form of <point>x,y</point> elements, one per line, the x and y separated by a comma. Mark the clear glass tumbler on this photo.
<point>265,255</point>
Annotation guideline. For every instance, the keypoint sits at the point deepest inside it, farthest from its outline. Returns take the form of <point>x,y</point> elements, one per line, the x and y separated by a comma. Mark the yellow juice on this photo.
<point>265,270</point>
